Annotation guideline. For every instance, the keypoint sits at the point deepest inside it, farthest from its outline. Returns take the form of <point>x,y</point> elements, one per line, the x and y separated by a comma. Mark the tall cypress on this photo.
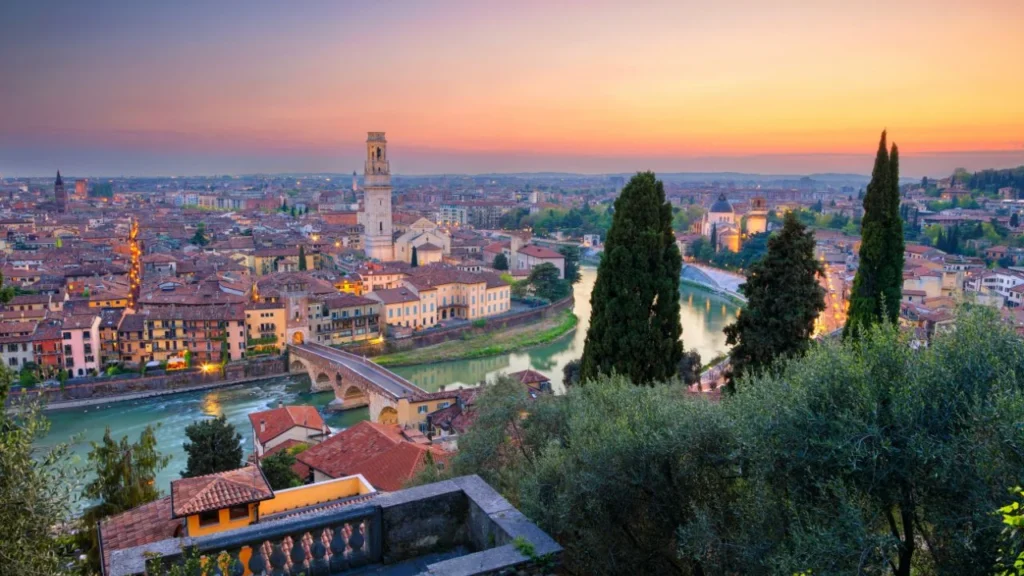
<point>878,284</point>
<point>634,325</point>
<point>302,257</point>
<point>784,298</point>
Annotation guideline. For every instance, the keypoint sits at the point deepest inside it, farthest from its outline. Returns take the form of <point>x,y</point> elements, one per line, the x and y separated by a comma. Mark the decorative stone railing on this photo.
<point>458,527</point>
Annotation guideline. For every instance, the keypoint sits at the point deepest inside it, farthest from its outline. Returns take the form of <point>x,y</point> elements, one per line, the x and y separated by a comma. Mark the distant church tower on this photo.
<point>377,239</point>
<point>60,196</point>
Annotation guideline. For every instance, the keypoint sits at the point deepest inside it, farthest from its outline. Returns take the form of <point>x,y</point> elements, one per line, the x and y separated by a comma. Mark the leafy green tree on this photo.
<point>886,459</point>
<point>213,446</point>
<point>571,254</point>
<point>415,258</point>
<point>27,378</point>
<point>635,328</point>
<point>199,238</point>
<point>125,476</point>
<point>861,457</point>
<point>278,469</point>
<point>544,279</point>
<point>500,262</point>
<point>643,474</point>
<point>689,367</point>
<point>571,372</point>
<point>878,285</point>
<point>784,298</point>
<point>36,489</point>
<point>302,257</point>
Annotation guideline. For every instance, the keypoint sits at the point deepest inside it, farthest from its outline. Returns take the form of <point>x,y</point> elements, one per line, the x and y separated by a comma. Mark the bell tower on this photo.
<point>377,238</point>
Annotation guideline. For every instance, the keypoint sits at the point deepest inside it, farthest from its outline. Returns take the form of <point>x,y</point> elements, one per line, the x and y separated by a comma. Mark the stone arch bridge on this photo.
<point>356,381</point>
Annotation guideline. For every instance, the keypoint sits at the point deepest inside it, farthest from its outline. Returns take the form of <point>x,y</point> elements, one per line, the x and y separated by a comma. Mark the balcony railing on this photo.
<point>458,527</point>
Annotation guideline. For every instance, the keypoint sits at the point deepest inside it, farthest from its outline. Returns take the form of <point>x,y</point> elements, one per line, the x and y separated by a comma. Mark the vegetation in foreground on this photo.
<point>488,344</point>
<point>862,457</point>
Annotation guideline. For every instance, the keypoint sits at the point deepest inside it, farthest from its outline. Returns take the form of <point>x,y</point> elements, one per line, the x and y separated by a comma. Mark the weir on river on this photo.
<point>703,316</point>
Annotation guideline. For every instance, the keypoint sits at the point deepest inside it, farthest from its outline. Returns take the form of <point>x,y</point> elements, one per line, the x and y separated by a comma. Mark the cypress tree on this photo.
<point>879,281</point>
<point>302,257</point>
<point>415,258</point>
<point>714,237</point>
<point>784,298</point>
<point>634,328</point>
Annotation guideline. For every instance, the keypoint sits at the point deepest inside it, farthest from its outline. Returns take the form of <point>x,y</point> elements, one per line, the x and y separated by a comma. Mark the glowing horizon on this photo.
<point>470,87</point>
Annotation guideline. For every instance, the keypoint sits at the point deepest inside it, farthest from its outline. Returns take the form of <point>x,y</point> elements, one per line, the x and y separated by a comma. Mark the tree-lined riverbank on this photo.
<point>489,344</point>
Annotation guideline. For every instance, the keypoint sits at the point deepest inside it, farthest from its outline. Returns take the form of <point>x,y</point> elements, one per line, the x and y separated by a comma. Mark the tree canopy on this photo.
<point>213,446</point>
<point>635,328</point>
<point>125,473</point>
<point>878,285</point>
<point>863,456</point>
<point>278,469</point>
<point>500,262</point>
<point>784,298</point>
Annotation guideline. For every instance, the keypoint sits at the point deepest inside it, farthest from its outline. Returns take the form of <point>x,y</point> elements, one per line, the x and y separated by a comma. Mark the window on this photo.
<point>209,518</point>
<point>13,361</point>
<point>238,512</point>
<point>86,335</point>
<point>67,335</point>
<point>443,405</point>
<point>88,348</point>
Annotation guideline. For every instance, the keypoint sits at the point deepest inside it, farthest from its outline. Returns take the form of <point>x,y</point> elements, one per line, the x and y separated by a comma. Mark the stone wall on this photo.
<point>440,335</point>
<point>183,380</point>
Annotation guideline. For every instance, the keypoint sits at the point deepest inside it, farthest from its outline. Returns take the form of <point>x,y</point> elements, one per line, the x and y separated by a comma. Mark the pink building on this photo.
<point>81,344</point>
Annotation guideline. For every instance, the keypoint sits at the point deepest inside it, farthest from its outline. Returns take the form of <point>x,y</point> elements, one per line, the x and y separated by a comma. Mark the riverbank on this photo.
<point>103,401</point>
<point>487,344</point>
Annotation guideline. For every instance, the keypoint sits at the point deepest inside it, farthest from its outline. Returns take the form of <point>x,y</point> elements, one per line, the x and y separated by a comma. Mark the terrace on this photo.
<point>458,527</point>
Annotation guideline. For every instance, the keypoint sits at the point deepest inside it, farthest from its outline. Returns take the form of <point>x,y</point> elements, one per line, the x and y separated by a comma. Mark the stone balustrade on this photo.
<point>458,527</point>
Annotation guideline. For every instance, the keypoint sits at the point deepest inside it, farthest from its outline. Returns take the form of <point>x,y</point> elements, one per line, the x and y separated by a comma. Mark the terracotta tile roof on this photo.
<point>378,452</point>
<point>216,491</point>
<point>539,252</point>
<point>395,295</point>
<point>280,420</point>
<point>142,525</point>
<point>529,377</point>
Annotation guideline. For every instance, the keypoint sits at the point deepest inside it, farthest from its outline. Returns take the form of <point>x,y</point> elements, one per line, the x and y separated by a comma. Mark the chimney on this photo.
<point>263,426</point>
<point>280,403</point>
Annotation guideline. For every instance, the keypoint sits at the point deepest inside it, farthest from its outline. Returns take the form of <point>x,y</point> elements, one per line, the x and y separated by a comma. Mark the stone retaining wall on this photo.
<point>112,389</point>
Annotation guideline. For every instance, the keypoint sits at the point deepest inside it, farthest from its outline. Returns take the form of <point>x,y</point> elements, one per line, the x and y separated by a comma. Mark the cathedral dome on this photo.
<point>721,206</point>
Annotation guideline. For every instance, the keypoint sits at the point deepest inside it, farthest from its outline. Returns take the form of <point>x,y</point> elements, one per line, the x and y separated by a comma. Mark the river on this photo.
<point>703,315</point>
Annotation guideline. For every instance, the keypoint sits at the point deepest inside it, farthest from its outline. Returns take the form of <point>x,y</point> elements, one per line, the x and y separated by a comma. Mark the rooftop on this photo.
<point>216,491</point>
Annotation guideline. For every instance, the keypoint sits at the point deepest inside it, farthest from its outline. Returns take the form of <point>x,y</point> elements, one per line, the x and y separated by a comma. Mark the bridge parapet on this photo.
<point>356,381</point>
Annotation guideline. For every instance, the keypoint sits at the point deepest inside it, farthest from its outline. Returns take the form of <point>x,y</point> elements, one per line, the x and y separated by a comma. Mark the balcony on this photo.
<point>459,527</point>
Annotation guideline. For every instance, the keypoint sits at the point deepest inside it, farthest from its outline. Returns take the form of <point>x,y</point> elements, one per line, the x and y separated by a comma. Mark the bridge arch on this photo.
<point>296,366</point>
<point>388,415</point>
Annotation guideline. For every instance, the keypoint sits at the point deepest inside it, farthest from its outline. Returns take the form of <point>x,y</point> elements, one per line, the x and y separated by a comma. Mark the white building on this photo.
<point>530,256</point>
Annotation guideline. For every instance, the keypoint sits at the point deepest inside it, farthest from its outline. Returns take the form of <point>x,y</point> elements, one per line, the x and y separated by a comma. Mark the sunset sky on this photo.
<point>775,86</point>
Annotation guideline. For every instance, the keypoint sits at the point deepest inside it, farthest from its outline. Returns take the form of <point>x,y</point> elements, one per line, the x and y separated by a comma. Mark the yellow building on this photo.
<point>265,323</point>
<point>219,502</point>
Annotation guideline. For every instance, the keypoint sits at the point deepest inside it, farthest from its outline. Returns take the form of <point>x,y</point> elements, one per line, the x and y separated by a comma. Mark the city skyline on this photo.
<point>111,88</point>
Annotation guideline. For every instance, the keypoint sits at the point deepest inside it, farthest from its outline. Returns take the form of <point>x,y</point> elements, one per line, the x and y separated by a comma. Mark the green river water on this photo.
<point>703,317</point>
